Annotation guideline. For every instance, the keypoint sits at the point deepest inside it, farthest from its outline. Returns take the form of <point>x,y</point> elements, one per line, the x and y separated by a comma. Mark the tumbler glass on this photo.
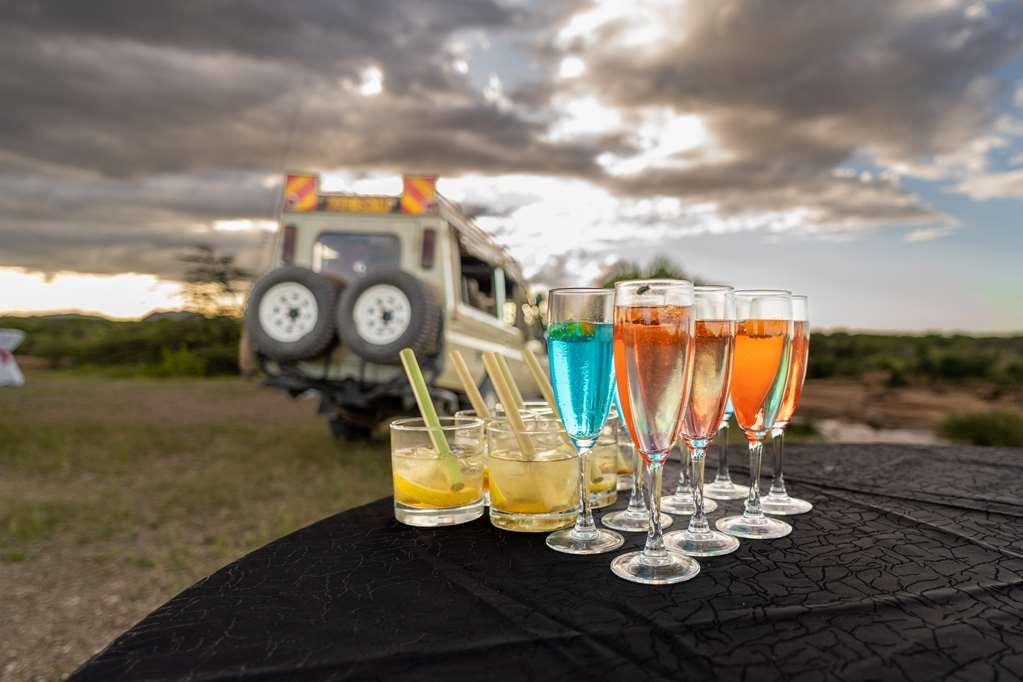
<point>432,489</point>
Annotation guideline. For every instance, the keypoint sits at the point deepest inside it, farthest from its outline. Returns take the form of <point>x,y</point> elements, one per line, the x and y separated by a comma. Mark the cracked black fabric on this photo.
<point>910,567</point>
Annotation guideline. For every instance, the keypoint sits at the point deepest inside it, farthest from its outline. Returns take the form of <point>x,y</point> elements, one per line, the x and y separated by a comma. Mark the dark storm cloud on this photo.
<point>115,225</point>
<point>117,115</point>
<point>791,89</point>
<point>126,128</point>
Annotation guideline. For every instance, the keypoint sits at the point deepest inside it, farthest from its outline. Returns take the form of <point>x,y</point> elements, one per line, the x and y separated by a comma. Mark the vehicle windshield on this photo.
<point>350,255</point>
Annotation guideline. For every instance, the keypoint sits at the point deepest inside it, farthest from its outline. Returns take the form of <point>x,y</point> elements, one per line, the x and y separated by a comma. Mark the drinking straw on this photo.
<point>506,371</point>
<point>511,410</point>
<point>541,380</point>
<point>471,390</point>
<point>452,470</point>
<point>546,390</point>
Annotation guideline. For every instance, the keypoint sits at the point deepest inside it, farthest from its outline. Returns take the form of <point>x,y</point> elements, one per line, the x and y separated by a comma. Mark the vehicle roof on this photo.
<point>477,241</point>
<point>473,239</point>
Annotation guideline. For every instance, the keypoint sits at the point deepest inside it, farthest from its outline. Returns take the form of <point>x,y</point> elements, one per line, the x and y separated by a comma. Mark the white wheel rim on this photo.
<point>288,311</point>
<point>382,313</point>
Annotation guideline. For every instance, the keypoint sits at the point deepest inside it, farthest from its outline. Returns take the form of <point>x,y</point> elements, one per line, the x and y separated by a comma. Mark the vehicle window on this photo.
<point>478,288</point>
<point>522,311</point>
<point>350,255</point>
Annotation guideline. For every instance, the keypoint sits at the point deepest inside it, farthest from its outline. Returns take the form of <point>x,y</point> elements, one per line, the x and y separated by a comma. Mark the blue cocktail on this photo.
<point>580,341</point>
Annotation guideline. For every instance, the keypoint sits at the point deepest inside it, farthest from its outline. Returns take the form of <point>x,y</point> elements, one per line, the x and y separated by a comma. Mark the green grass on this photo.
<point>172,469</point>
<point>984,428</point>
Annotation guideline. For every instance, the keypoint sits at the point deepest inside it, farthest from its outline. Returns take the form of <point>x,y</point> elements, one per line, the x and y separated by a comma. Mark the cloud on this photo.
<point>992,185</point>
<point>130,131</point>
<point>927,234</point>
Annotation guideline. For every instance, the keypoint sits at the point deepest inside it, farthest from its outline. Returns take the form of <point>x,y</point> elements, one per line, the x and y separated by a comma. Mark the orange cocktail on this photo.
<point>761,349</point>
<point>797,373</point>
<point>778,500</point>
<point>760,372</point>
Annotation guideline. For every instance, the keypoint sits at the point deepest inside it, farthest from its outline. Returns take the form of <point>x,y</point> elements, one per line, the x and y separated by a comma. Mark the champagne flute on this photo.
<point>653,347</point>
<point>760,370</point>
<point>723,488</point>
<point>777,501</point>
<point>683,500</point>
<point>634,518</point>
<point>714,340</point>
<point>579,346</point>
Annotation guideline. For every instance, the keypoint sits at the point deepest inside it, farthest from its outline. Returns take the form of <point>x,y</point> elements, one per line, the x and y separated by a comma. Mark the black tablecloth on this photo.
<point>909,567</point>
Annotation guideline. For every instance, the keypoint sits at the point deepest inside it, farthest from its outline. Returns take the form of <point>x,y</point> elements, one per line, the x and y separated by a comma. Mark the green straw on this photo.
<point>452,470</point>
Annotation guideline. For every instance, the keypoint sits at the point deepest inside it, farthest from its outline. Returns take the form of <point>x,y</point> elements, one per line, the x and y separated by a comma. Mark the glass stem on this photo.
<point>778,446</point>
<point>723,475</point>
<point>684,487</point>
<point>698,521</point>
<point>584,526</point>
<point>653,551</point>
<point>754,512</point>
<point>636,505</point>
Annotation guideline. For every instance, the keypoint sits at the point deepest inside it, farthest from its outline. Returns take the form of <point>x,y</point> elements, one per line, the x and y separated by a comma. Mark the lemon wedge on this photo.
<point>499,502</point>
<point>416,495</point>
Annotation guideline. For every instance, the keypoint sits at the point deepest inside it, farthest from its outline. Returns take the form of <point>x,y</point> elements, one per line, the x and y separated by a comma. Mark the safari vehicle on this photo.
<point>355,279</point>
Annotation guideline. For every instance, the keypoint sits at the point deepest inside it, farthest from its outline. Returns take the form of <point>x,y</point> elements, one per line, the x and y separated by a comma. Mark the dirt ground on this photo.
<point>116,494</point>
<point>910,407</point>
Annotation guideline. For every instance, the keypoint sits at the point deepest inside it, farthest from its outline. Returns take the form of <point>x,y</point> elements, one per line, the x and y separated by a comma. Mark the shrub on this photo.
<point>180,362</point>
<point>195,346</point>
<point>984,428</point>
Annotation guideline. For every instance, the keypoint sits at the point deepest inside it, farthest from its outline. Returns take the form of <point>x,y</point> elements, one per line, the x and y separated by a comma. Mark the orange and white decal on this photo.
<point>301,193</point>
<point>419,194</point>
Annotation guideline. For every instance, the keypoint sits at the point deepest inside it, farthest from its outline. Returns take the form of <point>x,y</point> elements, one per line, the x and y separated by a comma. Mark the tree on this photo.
<point>214,285</point>
<point>659,268</point>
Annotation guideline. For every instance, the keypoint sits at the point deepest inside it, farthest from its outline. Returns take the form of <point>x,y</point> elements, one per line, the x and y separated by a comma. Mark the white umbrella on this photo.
<point>10,373</point>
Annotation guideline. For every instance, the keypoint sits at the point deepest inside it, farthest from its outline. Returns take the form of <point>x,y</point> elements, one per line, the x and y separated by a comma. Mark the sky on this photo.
<point>868,154</point>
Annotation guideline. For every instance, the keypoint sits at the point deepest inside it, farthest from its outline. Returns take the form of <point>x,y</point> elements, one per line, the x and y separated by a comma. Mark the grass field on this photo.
<point>117,494</point>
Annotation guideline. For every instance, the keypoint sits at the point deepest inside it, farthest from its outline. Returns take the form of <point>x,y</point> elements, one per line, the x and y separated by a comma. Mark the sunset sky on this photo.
<point>868,154</point>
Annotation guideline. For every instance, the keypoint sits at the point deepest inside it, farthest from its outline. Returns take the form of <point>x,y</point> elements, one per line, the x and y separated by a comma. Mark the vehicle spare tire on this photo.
<point>289,315</point>
<point>385,311</point>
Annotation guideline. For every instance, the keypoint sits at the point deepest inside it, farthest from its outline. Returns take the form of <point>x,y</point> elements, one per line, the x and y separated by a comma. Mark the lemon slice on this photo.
<point>416,495</point>
<point>601,485</point>
<point>499,502</point>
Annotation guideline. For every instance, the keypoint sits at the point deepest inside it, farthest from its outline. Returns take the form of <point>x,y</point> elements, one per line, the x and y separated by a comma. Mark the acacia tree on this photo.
<point>659,268</point>
<point>214,285</point>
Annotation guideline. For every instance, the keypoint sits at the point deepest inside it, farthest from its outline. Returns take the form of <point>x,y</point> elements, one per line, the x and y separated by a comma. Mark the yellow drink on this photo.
<point>420,480</point>
<point>534,495</point>
<point>603,480</point>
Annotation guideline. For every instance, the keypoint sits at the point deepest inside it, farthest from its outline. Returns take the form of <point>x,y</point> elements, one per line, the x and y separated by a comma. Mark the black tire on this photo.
<point>422,333</point>
<point>287,294</point>
<point>487,391</point>
<point>343,429</point>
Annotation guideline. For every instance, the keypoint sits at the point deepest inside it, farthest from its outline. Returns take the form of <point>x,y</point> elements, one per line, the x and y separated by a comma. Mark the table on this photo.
<point>909,568</point>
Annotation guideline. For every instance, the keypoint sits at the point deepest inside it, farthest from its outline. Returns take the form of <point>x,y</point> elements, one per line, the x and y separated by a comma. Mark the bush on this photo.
<point>194,346</point>
<point>984,428</point>
<point>180,362</point>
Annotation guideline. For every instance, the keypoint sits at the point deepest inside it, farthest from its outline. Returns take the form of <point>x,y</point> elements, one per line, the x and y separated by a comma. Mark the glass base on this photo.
<point>671,567</point>
<point>604,498</point>
<point>709,543</point>
<point>725,491</point>
<point>532,523</point>
<point>683,505</point>
<point>783,505</point>
<point>632,523</point>
<point>753,528</point>
<point>430,518</point>
<point>598,542</point>
<point>625,482</point>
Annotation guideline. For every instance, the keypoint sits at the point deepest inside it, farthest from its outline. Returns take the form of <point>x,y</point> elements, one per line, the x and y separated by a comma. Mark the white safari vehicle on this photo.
<point>356,278</point>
